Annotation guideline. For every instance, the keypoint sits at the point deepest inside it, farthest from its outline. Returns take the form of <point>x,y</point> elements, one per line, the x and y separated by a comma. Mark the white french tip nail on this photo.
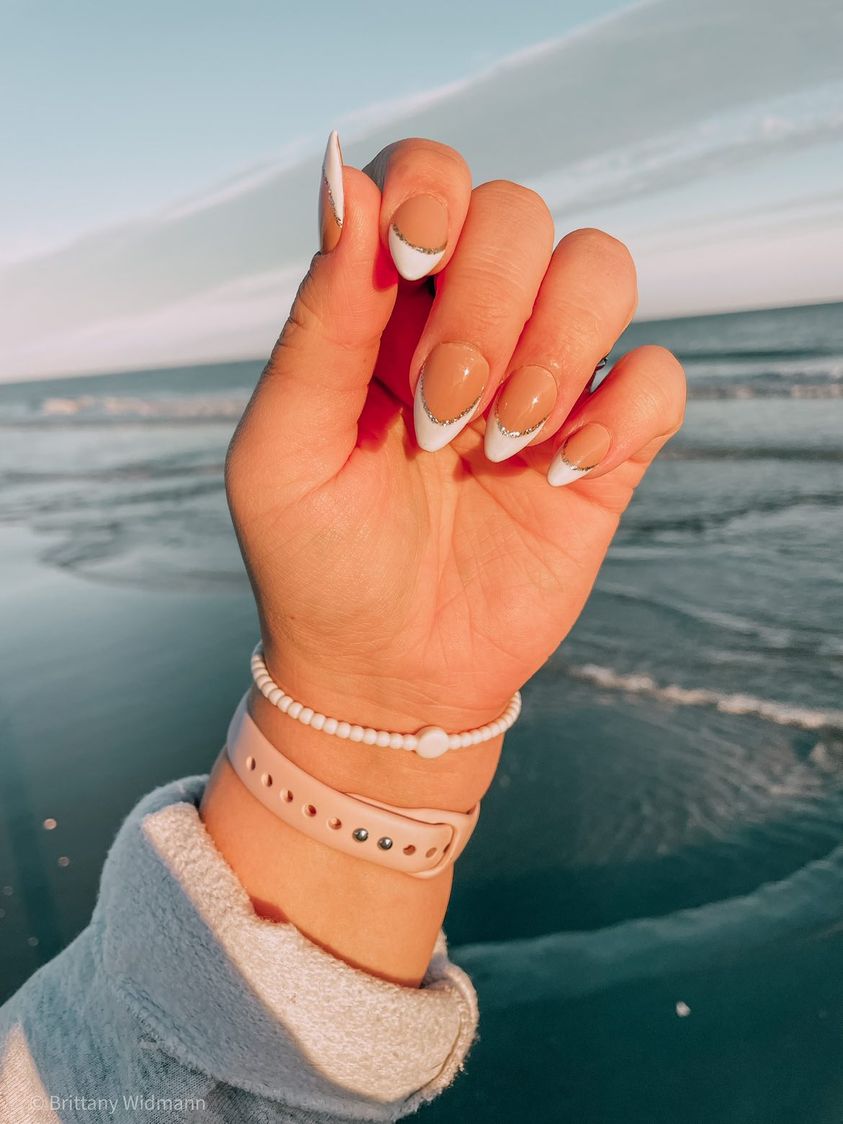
<point>332,171</point>
<point>499,443</point>
<point>412,263</point>
<point>562,472</point>
<point>433,435</point>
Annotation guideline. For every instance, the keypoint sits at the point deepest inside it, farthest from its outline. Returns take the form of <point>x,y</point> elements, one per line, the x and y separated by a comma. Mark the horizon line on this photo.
<point>243,359</point>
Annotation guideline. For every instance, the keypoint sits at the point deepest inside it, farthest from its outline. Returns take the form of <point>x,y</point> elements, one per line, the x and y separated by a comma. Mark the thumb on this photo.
<point>301,423</point>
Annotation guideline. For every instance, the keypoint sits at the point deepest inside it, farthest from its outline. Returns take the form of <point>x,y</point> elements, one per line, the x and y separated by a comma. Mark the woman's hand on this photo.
<point>399,587</point>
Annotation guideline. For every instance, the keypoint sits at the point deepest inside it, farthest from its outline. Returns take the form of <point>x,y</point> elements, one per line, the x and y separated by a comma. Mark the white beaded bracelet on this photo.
<point>430,741</point>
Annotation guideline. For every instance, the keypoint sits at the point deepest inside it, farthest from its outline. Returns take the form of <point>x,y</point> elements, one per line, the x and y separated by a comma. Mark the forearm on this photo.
<point>377,919</point>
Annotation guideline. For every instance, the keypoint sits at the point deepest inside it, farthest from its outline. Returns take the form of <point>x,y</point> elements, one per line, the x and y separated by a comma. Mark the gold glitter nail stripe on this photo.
<point>518,432</point>
<point>337,219</point>
<point>413,246</point>
<point>446,421</point>
<point>577,467</point>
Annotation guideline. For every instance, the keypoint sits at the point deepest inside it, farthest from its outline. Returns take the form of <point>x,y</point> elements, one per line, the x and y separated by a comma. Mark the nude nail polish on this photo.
<point>418,236</point>
<point>582,452</point>
<point>519,411</point>
<point>448,392</point>
<point>331,197</point>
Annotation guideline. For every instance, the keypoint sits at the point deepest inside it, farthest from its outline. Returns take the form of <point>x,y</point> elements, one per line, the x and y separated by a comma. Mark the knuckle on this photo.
<point>433,150</point>
<point>603,248</point>
<point>422,159</point>
<point>581,331</point>
<point>519,201</point>
<point>490,310</point>
<point>234,476</point>
<point>664,382</point>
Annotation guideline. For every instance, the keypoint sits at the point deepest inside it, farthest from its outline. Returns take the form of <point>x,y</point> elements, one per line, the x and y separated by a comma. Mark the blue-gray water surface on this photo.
<point>652,906</point>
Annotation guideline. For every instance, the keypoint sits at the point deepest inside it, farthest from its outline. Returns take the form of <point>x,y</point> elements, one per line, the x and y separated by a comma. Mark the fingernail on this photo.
<point>331,197</point>
<point>418,235</point>
<point>449,389</point>
<point>519,411</point>
<point>582,452</point>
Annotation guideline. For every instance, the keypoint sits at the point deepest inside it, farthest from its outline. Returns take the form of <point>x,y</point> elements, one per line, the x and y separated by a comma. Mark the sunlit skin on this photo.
<point>396,587</point>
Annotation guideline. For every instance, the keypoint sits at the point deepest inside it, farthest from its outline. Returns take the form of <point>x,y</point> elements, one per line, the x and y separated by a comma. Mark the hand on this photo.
<point>399,587</point>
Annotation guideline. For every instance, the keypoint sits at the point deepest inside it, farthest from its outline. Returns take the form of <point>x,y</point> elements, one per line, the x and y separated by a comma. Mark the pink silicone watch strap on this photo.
<point>418,841</point>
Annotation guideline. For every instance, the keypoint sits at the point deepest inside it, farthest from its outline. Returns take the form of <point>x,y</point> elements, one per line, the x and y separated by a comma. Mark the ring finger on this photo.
<point>586,300</point>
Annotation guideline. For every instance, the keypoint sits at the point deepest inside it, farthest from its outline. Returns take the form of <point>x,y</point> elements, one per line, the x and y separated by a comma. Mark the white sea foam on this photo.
<point>782,714</point>
<point>210,407</point>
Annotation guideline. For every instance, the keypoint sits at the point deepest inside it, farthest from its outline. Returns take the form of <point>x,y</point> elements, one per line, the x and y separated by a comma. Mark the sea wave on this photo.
<point>772,637</point>
<point>782,714</point>
<point>561,965</point>
<point>106,409</point>
<point>88,410</point>
<point>181,408</point>
<point>788,387</point>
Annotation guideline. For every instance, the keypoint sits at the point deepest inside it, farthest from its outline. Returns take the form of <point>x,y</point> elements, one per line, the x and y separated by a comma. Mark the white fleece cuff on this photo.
<point>254,1003</point>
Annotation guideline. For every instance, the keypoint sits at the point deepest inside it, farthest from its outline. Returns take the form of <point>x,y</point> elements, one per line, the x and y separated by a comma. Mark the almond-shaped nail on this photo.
<point>519,411</point>
<point>418,236</point>
<point>448,392</point>
<point>331,197</point>
<point>583,451</point>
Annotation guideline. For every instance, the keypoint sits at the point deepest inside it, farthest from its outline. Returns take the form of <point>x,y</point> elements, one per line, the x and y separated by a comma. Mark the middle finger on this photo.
<point>483,299</point>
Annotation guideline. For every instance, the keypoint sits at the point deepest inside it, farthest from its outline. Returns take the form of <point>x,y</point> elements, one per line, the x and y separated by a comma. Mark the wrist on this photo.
<point>455,781</point>
<point>367,696</point>
<point>376,919</point>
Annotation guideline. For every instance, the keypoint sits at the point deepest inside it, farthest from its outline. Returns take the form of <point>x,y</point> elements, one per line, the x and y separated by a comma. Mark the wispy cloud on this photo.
<point>699,136</point>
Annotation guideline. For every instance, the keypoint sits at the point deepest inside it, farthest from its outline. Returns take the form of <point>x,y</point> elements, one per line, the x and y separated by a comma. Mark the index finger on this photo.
<point>426,189</point>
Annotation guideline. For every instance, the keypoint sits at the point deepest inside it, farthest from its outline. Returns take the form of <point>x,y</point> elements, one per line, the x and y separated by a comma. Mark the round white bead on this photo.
<point>343,729</point>
<point>295,709</point>
<point>432,742</point>
<point>410,741</point>
<point>317,721</point>
<point>355,734</point>
<point>306,715</point>
<point>370,736</point>
<point>274,695</point>
<point>285,704</point>
<point>382,739</point>
<point>396,741</point>
<point>330,726</point>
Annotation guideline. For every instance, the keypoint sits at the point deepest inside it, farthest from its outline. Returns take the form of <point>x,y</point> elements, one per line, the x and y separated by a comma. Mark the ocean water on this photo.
<point>652,907</point>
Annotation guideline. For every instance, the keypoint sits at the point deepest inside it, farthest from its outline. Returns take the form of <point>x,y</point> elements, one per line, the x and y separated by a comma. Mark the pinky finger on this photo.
<point>633,412</point>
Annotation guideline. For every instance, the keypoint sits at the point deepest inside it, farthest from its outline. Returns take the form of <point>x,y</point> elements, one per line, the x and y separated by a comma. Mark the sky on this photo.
<point>115,109</point>
<point>160,161</point>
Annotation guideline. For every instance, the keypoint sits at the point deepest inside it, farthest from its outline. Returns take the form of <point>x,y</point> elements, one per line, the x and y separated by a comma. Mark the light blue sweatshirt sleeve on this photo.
<point>179,1003</point>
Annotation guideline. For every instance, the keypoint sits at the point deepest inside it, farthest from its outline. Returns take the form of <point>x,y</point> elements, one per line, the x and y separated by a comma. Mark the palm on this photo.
<point>443,568</point>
